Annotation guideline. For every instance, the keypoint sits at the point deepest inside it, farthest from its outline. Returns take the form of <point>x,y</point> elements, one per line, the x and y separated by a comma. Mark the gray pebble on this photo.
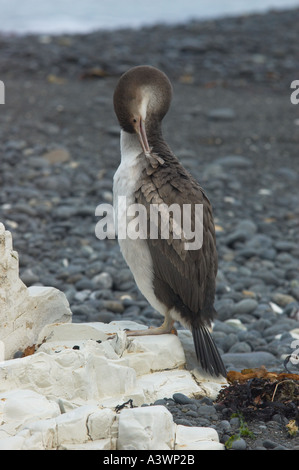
<point>94,268</point>
<point>104,316</point>
<point>268,277</point>
<point>15,144</point>
<point>239,444</point>
<point>206,401</point>
<point>207,411</point>
<point>103,281</point>
<point>222,114</point>
<point>268,444</point>
<point>236,161</point>
<point>245,306</point>
<point>224,308</point>
<point>243,231</point>
<point>161,401</point>
<point>183,422</point>
<point>82,295</point>
<point>181,398</point>
<point>283,245</point>
<point>252,359</point>
<point>235,422</point>
<point>227,341</point>
<point>85,284</point>
<point>240,347</point>
<point>113,306</point>
<point>64,212</point>
<point>224,426</point>
<point>192,413</point>
<point>18,354</point>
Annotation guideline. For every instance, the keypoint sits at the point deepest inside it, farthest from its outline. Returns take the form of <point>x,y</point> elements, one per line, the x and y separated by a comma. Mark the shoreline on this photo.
<point>139,24</point>
<point>240,49</point>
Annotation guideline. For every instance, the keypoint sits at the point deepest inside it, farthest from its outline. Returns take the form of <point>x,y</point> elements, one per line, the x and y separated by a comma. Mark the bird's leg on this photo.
<point>166,328</point>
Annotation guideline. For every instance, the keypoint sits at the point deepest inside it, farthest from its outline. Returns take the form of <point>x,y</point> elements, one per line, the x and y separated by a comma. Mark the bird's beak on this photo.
<point>142,136</point>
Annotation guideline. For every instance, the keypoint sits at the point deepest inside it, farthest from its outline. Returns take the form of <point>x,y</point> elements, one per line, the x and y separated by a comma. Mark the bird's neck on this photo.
<point>156,141</point>
<point>130,147</point>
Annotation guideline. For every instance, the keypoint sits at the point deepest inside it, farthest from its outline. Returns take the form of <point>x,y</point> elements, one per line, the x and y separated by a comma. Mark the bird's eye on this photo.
<point>134,120</point>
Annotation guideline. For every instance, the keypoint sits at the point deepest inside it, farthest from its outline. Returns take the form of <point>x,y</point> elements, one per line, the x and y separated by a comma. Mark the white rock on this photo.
<point>166,383</point>
<point>55,347</point>
<point>72,426</point>
<point>78,374</point>
<point>276,308</point>
<point>151,387</point>
<point>209,386</point>
<point>18,410</point>
<point>12,443</point>
<point>145,354</point>
<point>42,433</point>
<point>17,407</point>
<point>47,305</point>
<point>154,353</point>
<point>2,351</point>
<point>61,332</point>
<point>31,441</point>
<point>70,375</point>
<point>72,429</point>
<point>102,423</point>
<point>146,428</point>
<point>236,323</point>
<point>48,375</point>
<point>197,438</point>
<point>71,332</point>
<point>295,333</point>
<point>102,444</point>
<point>23,312</point>
<point>110,376</point>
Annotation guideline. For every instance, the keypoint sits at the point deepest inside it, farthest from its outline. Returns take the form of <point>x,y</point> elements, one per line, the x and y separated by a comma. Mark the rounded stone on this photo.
<point>245,306</point>
<point>103,281</point>
<point>241,347</point>
<point>181,399</point>
<point>268,444</point>
<point>239,444</point>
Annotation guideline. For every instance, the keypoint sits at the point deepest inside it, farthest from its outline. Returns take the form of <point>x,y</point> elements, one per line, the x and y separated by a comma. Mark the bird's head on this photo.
<point>141,99</point>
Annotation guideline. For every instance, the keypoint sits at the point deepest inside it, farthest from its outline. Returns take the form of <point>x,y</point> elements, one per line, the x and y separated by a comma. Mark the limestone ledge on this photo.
<point>66,394</point>
<point>24,311</point>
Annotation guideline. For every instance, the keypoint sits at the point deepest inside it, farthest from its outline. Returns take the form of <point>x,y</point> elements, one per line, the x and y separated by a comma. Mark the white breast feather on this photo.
<point>125,183</point>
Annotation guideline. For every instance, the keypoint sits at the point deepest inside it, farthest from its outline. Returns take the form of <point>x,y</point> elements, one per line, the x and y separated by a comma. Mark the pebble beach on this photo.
<point>233,126</point>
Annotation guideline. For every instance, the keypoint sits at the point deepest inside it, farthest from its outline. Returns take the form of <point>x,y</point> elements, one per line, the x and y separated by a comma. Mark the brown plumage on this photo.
<point>183,281</point>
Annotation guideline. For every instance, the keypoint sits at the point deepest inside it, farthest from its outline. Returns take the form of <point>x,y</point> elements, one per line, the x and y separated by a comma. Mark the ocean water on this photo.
<point>71,16</point>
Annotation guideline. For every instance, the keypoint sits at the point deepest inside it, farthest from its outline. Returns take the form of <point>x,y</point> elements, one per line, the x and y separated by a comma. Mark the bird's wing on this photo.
<point>186,277</point>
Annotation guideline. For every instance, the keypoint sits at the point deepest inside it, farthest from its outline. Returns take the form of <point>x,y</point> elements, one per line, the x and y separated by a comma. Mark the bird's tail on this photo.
<point>207,352</point>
